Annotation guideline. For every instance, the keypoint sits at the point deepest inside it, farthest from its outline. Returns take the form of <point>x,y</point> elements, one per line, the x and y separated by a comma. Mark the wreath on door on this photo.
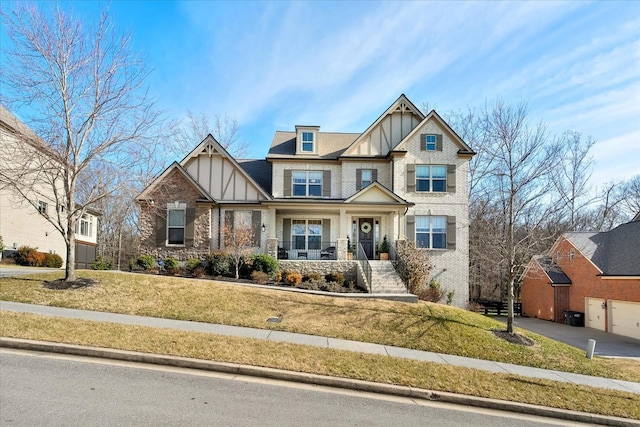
<point>365,227</point>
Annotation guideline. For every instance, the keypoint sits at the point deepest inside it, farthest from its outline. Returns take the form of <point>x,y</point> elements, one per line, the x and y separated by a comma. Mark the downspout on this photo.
<point>219,227</point>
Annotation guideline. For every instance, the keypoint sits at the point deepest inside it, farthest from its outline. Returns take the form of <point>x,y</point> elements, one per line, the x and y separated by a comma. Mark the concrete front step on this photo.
<point>385,279</point>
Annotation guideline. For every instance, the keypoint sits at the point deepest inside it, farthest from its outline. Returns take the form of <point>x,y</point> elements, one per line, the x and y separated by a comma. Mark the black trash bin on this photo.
<point>574,318</point>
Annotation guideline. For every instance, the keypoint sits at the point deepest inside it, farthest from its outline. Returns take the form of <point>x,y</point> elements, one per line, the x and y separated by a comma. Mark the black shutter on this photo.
<point>411,227</point>
<point>439,142</point>
<point>189,229</point>
<point>451,232</point>
<point>411,178</point>
<point>374,175</point>
<point>256,226</point>
<point>423,142</point>
<point>326,184</point>
<point>451,178</point>
<point>286,233</point>
<point>161,231</point>
<point>326,233</point>
<point>358,179</point>
<point>286,191</point>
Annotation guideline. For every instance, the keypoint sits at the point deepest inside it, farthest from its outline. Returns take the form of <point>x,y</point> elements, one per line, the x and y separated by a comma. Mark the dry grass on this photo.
<point>424,326</point>
<point>301,358</point>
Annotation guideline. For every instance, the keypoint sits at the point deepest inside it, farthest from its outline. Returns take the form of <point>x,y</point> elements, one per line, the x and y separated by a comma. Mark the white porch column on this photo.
<point>271,233</point>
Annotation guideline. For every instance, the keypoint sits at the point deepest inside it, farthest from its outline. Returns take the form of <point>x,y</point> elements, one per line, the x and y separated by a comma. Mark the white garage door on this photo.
<point>625,318</point>
<point>594,313</point>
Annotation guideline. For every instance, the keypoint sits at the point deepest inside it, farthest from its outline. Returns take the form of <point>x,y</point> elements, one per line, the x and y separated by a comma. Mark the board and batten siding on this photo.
<point>222,179</point>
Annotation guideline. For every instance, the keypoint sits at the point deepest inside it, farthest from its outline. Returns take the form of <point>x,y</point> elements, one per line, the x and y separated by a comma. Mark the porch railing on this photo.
<point>326,251</point>
<point>364,262</point>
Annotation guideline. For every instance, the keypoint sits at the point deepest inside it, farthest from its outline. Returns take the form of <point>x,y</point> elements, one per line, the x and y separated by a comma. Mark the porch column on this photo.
<point>344,224</point>
<point>271,231</point>
<point>341,244</point>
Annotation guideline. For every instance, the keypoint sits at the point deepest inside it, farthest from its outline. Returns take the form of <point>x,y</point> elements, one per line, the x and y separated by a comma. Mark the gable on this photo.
<point>220,175</point>
<point>388,130</point>
<point>376,193</point>
<point>434,119</point>
<point>173,180</point>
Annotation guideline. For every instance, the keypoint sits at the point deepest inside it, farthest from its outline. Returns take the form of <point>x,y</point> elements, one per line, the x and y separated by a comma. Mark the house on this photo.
<point>24,218</point>
<point>597,274</point>
<point>404,177</point>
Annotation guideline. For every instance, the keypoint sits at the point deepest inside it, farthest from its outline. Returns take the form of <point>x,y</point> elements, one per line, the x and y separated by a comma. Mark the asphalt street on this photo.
<point>52,390</point>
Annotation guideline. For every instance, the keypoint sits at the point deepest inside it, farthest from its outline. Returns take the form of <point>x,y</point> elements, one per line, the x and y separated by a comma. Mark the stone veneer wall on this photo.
<point>175,188</point>
<point>348,268</point>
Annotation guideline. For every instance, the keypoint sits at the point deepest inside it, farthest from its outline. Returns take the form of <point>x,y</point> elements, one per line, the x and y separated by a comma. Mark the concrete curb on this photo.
<point>305,378</point>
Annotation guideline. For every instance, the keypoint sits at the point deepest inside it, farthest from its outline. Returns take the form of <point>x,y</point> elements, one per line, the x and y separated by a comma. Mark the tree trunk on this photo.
<point>510,307</point>
<point>70,270</point>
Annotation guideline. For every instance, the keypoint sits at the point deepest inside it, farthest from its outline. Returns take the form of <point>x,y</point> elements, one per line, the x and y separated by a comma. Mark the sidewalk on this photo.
<point>325,342</point>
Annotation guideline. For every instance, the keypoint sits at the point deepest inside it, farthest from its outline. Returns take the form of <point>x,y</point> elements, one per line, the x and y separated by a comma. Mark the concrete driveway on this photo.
<point>607,345</point>
<point>11,271</point>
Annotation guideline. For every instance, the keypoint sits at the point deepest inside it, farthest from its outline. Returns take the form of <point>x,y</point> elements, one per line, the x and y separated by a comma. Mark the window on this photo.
<point>367,178</point>
<point>307,183</point>
<point>430,142</point>
<point>306,233</point>
<point>307,142</point>
<point>431,178</point>
<point>175,226</point>
<point>85,226</point>
<point>42,207</point>
<point>431,232</point>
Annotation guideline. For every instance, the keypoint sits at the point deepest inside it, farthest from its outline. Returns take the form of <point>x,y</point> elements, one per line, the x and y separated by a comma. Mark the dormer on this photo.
<point>307,140</point>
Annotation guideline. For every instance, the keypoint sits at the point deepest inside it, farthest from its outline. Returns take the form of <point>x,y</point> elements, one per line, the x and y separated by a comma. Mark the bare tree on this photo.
<point>238,242</point>
<point>522,159</point>
<point>194,128</point>
<point>84,88</point>
<point>630,195</point>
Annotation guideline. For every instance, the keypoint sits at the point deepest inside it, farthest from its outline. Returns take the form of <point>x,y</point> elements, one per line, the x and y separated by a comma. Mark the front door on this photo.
<point>365,235</point>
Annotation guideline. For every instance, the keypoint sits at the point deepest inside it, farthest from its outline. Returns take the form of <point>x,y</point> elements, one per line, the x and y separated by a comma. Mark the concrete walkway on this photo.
<point>324,342</point>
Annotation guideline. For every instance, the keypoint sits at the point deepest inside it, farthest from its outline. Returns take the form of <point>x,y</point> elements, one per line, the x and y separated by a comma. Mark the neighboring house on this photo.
<point>594,273</point>
<point>404,177</point>
<point>23,220</point>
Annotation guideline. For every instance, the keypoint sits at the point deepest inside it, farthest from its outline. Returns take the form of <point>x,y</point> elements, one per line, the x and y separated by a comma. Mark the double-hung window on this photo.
<point>431,232</point>
<point>176,220</point>
<point>431,178</point>
<point>85,226</point>
<point>307,183</point>
<point>430,142</point>
<point>306,233</point>
<point>307,142</point>
<point>367,178</point>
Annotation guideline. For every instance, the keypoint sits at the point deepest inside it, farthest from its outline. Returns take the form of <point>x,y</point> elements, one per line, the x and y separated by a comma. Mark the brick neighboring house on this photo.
<point>594,273</point>
<point>23,218</point>
<point>404,177</point>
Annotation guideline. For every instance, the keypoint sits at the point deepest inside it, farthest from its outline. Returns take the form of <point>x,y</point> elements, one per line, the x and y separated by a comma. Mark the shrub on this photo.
<point>52,261</point>
<point>292,278</point>
<point>413,266</point>
<point>101,263</point>
<point>277,276</point>
<point>219,264</point>
<point>132,264</point>
<point>265,263</point>
<point>146,262</point>
<point>171,265</point>
<point>192,264</point>
<point>260,277</point>
<point>335,277</point>
<point>432,293</point>
<point>199,272</point>
<point>312,277</point>
<point>450,296</point>
<point>26,255</point>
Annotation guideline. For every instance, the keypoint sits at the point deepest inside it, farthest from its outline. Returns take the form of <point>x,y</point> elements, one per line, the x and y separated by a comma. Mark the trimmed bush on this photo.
<point>260,277</point>
<point>26,255</point>
<point>219,264</point>
<point>335,277</point>
<point>146,262</point>
<point>316,277</point>
<point>52,260</point>
<point>265,263</point>
<point>192,264</point>
<point>292,278</point>
<point>171,265</point>
<point>101,263</point>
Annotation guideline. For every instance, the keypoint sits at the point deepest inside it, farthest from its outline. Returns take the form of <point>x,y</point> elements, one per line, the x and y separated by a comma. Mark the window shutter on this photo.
<point>256,227</point>
<point>189,229</point>
<point>423,142</point>
<point>161,231</point>
<point>451,232</point>
<point>286,233</point>
<point>326,184</point>
<point>451,178</point>
<point>439,142</point>
<point>228,219</point>
<point>286,191</point>
<point>326,233</point>
<point>374,174</point>
<point>411,227</point>
<point>358,179</point>
<point>411,178</point>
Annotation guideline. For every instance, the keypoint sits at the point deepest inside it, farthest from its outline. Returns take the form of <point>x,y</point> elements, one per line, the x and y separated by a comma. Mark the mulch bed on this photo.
<point>61,284</point>
<point>513,338</point>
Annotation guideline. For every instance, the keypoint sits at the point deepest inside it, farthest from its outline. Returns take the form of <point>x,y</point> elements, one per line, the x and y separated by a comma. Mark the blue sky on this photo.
<point>339,65</point>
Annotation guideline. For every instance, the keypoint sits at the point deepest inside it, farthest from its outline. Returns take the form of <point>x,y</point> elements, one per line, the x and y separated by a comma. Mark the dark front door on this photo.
<point>365,235</point>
